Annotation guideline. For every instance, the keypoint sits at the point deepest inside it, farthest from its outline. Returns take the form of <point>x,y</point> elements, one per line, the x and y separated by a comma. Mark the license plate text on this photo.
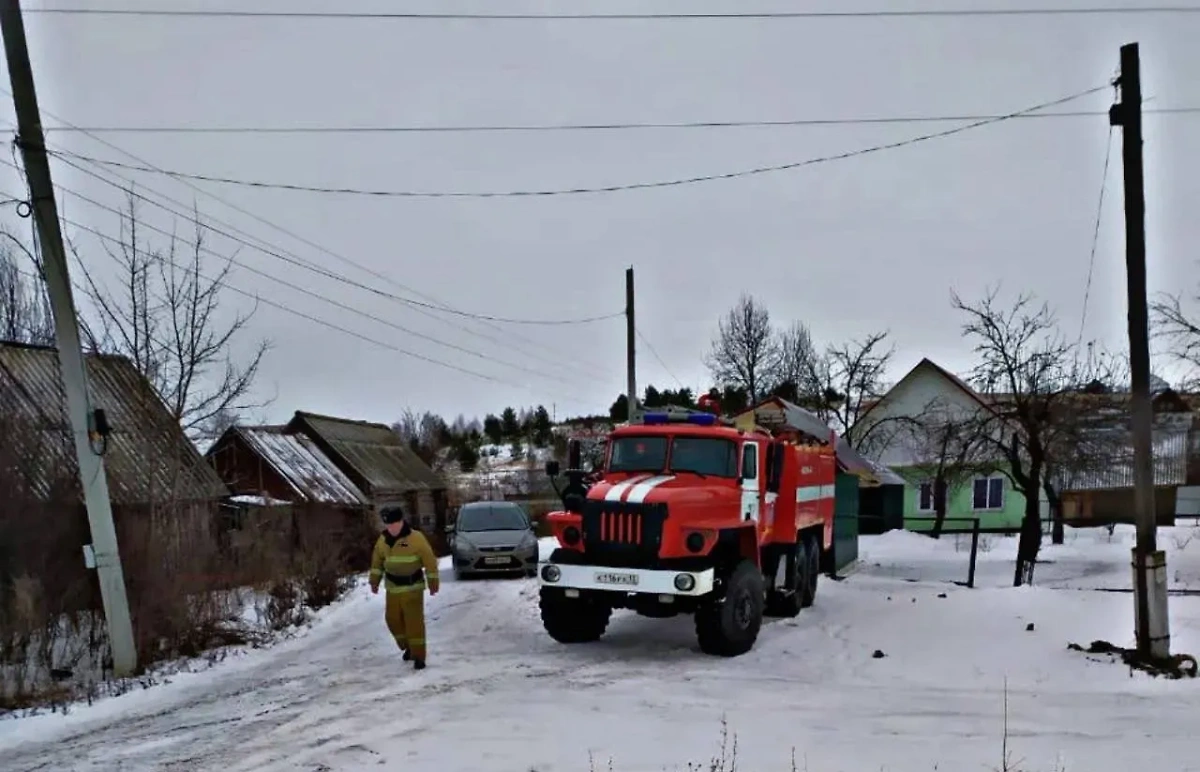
<point>613,578</point>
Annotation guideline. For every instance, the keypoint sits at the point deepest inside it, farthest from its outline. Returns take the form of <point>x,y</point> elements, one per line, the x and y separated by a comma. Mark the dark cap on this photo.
<point>391,513</point>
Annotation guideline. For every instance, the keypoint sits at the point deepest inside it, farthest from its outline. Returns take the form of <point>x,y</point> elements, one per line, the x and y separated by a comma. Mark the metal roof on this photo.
<point>309,472</point>
<point>148,457</point>
<point>376,453</point>
<point>1170,451</point>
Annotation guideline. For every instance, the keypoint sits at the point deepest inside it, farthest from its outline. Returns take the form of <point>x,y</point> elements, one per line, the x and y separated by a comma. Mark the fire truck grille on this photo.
<point>623,532</point>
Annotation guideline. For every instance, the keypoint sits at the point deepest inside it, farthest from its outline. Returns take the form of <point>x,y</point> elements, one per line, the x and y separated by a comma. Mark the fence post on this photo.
<point>974,553</point>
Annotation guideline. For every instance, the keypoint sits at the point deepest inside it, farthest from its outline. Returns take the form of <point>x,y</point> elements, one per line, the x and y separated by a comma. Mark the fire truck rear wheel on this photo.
<point>787,603</point>
<point>812,557</point>
<point>573,620</point>
<point>729,627</point>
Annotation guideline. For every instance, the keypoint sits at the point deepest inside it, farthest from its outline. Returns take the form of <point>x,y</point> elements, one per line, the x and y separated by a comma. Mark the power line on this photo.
<point>254,296</point>
<point>734,15</point>
<point>654,353</point>
<point>310,293</point>
<point>632,126</point>
<point>439,306</point>
<point>316,320</point>
<point>287,258</point>
<point>273,251</point>
<point>1087,290</point>
<point>586,190</point>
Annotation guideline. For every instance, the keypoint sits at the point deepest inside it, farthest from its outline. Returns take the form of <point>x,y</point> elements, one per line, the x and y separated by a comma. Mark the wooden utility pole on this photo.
<point>1149,563</point>
<point>84,421</point>
<point>630,346</point>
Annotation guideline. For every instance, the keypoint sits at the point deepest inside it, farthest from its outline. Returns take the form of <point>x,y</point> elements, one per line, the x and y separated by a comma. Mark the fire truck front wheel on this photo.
<point>729,625</point>
<point>573,620</point>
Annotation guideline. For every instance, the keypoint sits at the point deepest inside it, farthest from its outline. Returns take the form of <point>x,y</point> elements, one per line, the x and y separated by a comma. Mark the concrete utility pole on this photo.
<point>1149,563</point>
<point>630,346</point>
<point>70,354</point>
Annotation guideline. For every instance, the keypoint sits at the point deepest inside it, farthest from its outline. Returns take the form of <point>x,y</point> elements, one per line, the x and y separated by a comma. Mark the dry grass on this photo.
<point>726,758</point>
<point>189,584</point>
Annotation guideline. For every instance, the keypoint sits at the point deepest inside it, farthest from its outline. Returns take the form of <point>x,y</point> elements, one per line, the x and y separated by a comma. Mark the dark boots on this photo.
<point>418,664</point>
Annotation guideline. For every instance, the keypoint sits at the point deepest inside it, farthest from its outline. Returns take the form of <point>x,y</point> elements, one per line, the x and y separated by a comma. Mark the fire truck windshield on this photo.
<point>638,454</point>
<point>704,456</point>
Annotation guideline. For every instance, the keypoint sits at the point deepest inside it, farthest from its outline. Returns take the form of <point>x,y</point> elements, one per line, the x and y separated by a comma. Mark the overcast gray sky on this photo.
<point>847,247</point>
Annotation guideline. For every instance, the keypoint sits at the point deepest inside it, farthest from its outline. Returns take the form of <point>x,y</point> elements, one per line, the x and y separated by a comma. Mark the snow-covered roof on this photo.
<point>1169,457</point>
<point>302,464</point>
<point>258,501</point>
<point>379,459</point>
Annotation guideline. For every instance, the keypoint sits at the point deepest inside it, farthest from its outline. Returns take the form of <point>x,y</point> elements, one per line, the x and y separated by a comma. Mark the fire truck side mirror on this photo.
<point>574,453</point>
<point>552,468</point>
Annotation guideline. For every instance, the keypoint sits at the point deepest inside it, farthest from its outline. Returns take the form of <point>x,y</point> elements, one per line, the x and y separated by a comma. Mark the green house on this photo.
<point>911,430</point>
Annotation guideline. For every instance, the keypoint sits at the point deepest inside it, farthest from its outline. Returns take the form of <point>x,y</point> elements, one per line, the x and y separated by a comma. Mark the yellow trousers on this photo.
<point>405,615</point>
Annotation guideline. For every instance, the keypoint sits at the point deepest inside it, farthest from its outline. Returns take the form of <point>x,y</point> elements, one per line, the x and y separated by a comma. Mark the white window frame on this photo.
<point>987,494</point>
<point>920,495</point>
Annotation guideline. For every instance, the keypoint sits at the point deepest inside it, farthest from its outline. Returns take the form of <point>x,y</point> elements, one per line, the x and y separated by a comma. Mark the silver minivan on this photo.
<point>493,537</point>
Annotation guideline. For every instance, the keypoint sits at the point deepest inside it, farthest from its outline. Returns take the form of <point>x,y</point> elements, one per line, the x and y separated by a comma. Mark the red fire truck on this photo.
<point>689,515</point>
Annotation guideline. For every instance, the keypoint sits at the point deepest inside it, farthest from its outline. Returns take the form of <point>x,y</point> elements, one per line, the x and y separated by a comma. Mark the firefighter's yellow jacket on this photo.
<point>406,561</point>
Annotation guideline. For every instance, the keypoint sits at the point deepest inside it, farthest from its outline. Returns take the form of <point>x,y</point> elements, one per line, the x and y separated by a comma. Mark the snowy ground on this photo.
<point>499,695</point>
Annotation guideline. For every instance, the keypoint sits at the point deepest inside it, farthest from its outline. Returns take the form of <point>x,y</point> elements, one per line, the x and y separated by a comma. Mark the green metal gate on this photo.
<point>845,521</point>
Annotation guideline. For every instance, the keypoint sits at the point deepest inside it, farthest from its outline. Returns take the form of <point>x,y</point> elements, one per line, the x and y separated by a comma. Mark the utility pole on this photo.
<point>1149,563</point>
<point>70,354</point>
<point>630,346</point>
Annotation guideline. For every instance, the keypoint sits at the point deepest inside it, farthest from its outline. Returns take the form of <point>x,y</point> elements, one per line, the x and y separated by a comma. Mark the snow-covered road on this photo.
<point>499,695</point>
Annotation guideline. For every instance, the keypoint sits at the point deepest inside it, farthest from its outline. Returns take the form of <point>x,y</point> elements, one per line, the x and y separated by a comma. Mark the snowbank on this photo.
<point>1089,558</point>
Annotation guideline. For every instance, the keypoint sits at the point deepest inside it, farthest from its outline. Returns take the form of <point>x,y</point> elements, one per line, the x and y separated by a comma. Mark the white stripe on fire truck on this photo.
<point>617,491</point>
<point>814,492</point>
<point>642,489</point>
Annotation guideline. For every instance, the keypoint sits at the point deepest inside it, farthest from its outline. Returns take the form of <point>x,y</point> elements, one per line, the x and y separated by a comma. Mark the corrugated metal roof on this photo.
<point>148,458</point>
<point>302,464</point>
<point>374,451</point>
<point>1170,449</point>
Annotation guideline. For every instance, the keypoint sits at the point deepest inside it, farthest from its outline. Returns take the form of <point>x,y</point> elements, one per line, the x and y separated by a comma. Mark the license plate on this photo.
<point>619,579</point>
<point>496,561</point>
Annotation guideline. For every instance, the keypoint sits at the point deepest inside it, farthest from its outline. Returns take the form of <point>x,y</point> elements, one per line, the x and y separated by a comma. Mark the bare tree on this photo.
<point>949,448</point>
<point>847,379</point>
<point>1181,331</point>
<point>745,352</point>
<point>220,422</point>
<point>1031,377</point>
<point>426,433</point>
<point>797,364</point>
<point>25,315</point>
<point>165,318</point>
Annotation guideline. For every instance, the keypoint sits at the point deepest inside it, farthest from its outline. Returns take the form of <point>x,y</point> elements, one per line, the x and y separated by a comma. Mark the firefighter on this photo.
<point>405,562</point>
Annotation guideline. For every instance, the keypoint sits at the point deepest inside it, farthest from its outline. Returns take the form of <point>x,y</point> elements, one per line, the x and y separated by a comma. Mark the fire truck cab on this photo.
<point>689,515</point>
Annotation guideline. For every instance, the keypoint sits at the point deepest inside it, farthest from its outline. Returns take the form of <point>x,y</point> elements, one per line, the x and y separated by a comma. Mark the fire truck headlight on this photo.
<point>685,582</point>
<point>551,573</point>
<point>694,541</point>
<point>571,535</point>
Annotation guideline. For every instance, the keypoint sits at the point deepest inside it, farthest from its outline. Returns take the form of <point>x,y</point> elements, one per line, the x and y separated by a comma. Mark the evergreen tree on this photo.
<point>467,456</point>
<point>510,425</point>
<point>542,427</point>
<point>620,408</point>
<point>493,429</point>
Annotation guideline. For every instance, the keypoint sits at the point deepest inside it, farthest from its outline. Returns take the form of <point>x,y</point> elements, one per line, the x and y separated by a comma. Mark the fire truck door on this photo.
<point>751,496</point>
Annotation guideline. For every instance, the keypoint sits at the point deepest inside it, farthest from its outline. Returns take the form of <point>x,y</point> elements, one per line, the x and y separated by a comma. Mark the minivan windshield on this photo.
<point>492,517</point>
<point>704,455</point>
